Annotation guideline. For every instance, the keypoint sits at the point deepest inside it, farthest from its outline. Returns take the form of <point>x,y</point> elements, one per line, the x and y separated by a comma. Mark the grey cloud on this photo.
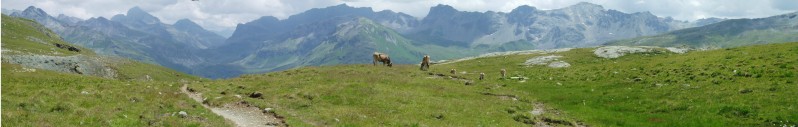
<point>787,5</point>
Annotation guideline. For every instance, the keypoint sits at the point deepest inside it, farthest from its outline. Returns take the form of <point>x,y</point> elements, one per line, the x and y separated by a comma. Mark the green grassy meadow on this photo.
<point>700,88</point>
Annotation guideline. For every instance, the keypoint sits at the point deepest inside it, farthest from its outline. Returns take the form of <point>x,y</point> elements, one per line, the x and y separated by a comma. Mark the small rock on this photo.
<point>541,60</point>
<point>439,116</point>
<point>268,110</point>
<point>84,92</point>
<point>255,95</point>
<point>237,96</point>
<point>272,124</point>
<point>559,64</point>
<point>744,91</point>
<point>182,114</point>
<point>469,83</point>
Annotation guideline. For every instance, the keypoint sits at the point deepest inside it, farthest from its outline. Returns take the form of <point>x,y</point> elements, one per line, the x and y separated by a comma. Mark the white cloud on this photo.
<point>224,15</point>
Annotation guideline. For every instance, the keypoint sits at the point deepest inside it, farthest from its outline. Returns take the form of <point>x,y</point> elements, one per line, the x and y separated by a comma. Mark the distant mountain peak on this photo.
<point>441,9</point>
<point>97,20</point>
<point>187,24</point>
<point>342,5</point>
<point>268,18</point>
<point>140,14</point>
<point>31,10</point>
<point>186,21</point>
<point>523,9</point>
<point>586,5</point>
<point>100,19</point>
<point>135,9</point>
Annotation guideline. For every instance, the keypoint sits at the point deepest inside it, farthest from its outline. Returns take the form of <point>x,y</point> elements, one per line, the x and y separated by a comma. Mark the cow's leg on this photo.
<point>426,66</point>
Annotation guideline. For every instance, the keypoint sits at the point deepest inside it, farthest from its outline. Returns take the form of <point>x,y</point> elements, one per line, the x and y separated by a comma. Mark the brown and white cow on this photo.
<point>381,57</point>
<point>425,63</point>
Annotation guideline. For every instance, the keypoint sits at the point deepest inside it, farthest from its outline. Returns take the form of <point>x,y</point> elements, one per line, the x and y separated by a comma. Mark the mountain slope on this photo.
<point>729,33</point>
<point>269,44</point>
<point>340,40</point>
<point>194,33</point>
<point>251,35</point>
<point>580,25</point>
<point>48,82</point>
<point>136,35</point>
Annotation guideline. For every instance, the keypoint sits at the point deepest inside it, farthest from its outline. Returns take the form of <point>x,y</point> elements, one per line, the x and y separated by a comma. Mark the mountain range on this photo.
<point>728,33</point>
<point>136,35</point>
<point>343,34</point>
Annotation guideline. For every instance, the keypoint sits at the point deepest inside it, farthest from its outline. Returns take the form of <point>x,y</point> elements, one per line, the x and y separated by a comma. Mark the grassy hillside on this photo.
<point>25,35</point>
<point>138,95</point>
<point>366,95</point>
<point>746,86</point>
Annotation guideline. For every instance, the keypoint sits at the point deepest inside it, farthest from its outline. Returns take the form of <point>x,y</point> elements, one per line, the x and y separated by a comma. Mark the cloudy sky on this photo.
<point>223,15</point>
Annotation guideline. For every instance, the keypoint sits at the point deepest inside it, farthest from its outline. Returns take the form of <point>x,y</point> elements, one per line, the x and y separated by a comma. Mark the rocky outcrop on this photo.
<point>618,51</point>
<point>551,61</point>
<point>77,64</point>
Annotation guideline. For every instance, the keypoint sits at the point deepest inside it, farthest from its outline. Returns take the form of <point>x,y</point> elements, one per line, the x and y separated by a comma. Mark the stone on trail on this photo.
<point>182,114</point>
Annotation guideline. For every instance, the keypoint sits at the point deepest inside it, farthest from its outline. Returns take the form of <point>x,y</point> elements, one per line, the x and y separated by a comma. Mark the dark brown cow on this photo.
<point>381,57</point>
<point>425,63</point>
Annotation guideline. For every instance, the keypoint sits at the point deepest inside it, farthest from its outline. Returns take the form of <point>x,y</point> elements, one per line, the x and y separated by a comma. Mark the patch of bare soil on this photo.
<point>242,114</point>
